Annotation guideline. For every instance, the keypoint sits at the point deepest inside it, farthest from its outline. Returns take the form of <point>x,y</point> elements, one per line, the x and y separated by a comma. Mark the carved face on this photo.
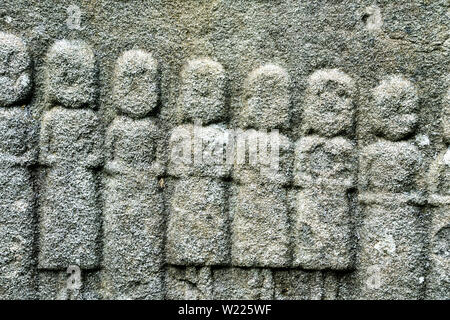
<point>329,109</point>
<point>70,74</point>
<point>266,100</point>
<point>395,107</point>
<point>202,91</point>
<point>15,78</point>
<point>136,83</point>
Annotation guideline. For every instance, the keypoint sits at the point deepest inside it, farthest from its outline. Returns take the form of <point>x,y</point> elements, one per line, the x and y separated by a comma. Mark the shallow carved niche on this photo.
<point>18,151</point>
<point>71,147</point>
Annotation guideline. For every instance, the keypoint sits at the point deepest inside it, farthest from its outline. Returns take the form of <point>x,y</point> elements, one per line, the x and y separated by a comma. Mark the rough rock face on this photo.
<point>224,149</point>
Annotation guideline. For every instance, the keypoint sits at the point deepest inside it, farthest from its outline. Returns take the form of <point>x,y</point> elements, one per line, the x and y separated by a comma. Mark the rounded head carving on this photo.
<point>395,108</point>
<point>202,91</point>
<point>136,86</point>
<point>266,98</point>
<point>15,70</point>
<point>329,109</point>
<point>71,74</point>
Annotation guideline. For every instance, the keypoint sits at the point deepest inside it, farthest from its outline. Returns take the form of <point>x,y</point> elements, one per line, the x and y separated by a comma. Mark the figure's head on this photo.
<point>266,98</point>
<point>15,70</point>
<point>329,109</point>
<point>71,74</point>
<point>136,83</point>
<point>202,91</point>
<point>395,108</point>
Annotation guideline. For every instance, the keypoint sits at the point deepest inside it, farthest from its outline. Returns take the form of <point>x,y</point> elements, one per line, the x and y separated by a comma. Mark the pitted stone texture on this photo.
<point>392,235</point>
<point>260,227</point>
<point>263,157</point>
<point>329,109</point>
<point>133,226</point>
<point>18,146</point>
<point>298,285</point>
<point>328,163</point>
<point>54,285</point>
<point>136,83</point>
<point>438,285</point>
<point>322,230</point>
<point>198,227</point>
<point>71,74</point>
<point>202,92</point>
<point>133,147</point>
<point>391,262</point>
<point>200,151</point>
<point>189,283</point>
<point>243,284</point>
<point>15,70</point>
<point>18,151</point>
<point>394,109</point>
<point>266,98</point>
<point>71,147</point>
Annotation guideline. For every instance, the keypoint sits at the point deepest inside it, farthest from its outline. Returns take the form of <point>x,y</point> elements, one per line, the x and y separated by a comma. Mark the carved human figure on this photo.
<point>324,172</point>
<point>263,166</point>
<point>198,217</point>
<point>133,210</point>
<point>71,149</point>
<point>18,142</point>
<point>392,233</point>
<point>438,285</point>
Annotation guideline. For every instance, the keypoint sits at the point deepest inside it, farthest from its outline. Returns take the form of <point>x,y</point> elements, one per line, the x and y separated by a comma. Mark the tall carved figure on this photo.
<point>71,148</point>
<point>439,278</point>
<point>134,222</point>
<point>198,219</point>
<point>263,169</point>
<point>18,141</point>
<point>392,233</point>
<point>324,171</point>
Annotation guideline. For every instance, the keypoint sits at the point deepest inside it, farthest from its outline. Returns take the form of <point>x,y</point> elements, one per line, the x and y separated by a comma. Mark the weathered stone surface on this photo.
<point>189,283</point>
<point>325,168</point>
<point>198,226</point>
<point>356,89</point>
<point>243,284</point>
<point>438,284</point>
<point>18,151</point>
<point>393,231</point>
<point>71,148</point>
<point>133,224</point>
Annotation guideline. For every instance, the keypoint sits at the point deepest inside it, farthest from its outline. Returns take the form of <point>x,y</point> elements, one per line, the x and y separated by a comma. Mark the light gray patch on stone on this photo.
<point>55,285</point>
<point>243,284</point>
